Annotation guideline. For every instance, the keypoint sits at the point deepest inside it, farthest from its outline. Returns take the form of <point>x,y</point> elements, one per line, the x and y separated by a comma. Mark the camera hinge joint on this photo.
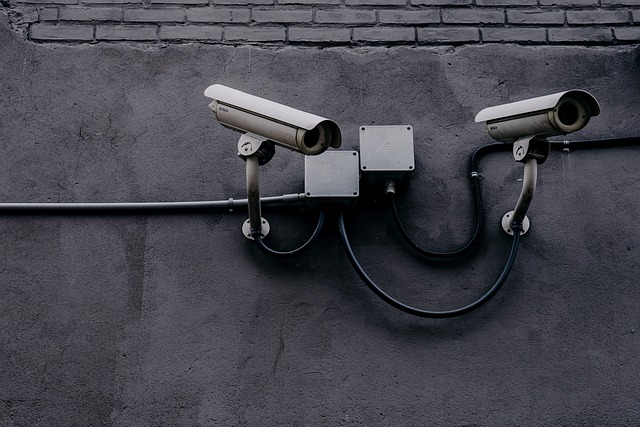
<point>531,147</point>
<point>255,145</point>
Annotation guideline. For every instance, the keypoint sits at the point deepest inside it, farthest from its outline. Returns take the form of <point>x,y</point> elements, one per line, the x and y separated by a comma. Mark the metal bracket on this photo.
<point>248,144</point>
<point>531,147</point>
<point>518,215</point>
<point>264,228</point>
<point>255,145</point>
<point>255,221</point>
<point>507,221</point>
<point>531,151</point>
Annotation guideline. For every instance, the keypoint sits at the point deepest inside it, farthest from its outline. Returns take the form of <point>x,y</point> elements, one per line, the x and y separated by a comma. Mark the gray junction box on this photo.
<point>332,178</point>
<point>386,152</point>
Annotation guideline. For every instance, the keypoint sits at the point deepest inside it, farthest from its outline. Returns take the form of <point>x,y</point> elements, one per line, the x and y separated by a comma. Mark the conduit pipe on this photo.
<point>230,204</point>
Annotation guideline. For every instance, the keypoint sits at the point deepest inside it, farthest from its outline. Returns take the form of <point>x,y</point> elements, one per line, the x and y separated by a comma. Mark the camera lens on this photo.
<point>311,137</point>
<point>568,113</point>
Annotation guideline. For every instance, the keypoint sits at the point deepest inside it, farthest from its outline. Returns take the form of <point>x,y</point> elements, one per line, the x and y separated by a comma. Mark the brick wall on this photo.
<point>328,22</point>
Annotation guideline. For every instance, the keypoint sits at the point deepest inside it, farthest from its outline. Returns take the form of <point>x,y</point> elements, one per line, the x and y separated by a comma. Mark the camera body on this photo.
<point>285,126</point>
<point>556,114</point>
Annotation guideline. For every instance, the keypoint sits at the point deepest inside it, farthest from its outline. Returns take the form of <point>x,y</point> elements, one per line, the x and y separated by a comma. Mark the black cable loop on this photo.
<point>477,200</point>
<point>288,254</point>
<point>517,228</point>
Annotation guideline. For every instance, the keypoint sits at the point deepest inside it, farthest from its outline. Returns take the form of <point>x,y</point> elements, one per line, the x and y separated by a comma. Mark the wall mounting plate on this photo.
<point>246,229</point>
<point>506,224</point>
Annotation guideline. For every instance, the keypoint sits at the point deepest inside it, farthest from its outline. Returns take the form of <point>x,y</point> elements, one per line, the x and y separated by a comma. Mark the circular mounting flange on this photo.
<point>246,229</point>
<point>506,224</point>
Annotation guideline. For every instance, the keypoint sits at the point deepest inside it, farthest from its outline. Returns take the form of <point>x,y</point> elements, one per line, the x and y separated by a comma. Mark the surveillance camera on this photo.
<point>556,114</point>
<point>285,126</point>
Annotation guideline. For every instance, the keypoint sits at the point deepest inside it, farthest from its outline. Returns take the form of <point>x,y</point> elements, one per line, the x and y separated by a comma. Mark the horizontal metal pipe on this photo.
<point>229,204</point>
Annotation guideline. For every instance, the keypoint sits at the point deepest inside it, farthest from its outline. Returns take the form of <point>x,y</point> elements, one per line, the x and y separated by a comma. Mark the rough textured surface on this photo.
<point>327,22</point>
<point>178,320</point>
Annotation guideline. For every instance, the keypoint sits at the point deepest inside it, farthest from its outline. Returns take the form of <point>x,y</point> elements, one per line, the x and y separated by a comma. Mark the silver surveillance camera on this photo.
<point>528,123</point>
<point>264,119</point>
<point>557,114</point>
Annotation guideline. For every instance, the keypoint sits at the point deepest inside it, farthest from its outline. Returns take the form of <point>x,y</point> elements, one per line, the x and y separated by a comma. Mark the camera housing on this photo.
<point>283,125</point>
<point>556,114</point>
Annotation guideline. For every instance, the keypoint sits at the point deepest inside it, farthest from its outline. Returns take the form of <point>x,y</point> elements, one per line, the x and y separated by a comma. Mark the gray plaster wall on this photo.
<point>177,320</point>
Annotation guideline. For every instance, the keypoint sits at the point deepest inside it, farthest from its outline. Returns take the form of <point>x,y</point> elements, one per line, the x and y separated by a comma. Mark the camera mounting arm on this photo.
<point>531,151</point>
<point>255,151</point>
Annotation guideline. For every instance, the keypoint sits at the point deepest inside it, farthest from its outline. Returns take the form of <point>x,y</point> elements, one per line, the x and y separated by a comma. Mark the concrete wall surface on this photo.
<point>156,319</point>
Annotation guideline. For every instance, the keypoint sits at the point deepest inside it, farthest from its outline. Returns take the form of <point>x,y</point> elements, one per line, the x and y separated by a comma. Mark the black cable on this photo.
<point>425,252</point>
<point>288,254</point>
<point>475,177</point>
<point>477,200</point>
<point>517,228</point>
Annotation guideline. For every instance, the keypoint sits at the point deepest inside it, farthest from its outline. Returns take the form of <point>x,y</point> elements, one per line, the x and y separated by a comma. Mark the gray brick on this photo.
<point>429,16</point>
<point>49,14</point>
<point>111,2</point>
<point>384,34</point>
<point>22,14</point>
<point>506,3</point>
<point>345,16</point>
<point>154,15</point>
<point>472,16</point>
<point>627,34</point>
<point>127,32</point>
<point>309,2</point>
<point>537,35</point>
<point>241,2</point>
<point>208,14</point>
<point>90,14</point>
<point>535,16</point>
<point>190,32</point>
<point>568,2</point>
<point>448,35</point>
<point>255,34</point>
<point>61,32</point>
<point>580,35</point>
<point>48,1</point>
<point>590,17</point>
<point>187,2</point>
<point>636,16</point>
<point>440,2</point>
<point>281,16</point>
<point>620,2</point>
<point>376,2</point>
<point>319,35</point>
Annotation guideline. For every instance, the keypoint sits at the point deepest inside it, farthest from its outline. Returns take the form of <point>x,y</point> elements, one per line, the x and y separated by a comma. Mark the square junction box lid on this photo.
<point>332,175</point>
<point>386,149</point>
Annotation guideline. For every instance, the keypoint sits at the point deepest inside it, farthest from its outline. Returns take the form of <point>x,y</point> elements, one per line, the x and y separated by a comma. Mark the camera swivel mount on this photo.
<point>531,151</point>
<point>255,151</point>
